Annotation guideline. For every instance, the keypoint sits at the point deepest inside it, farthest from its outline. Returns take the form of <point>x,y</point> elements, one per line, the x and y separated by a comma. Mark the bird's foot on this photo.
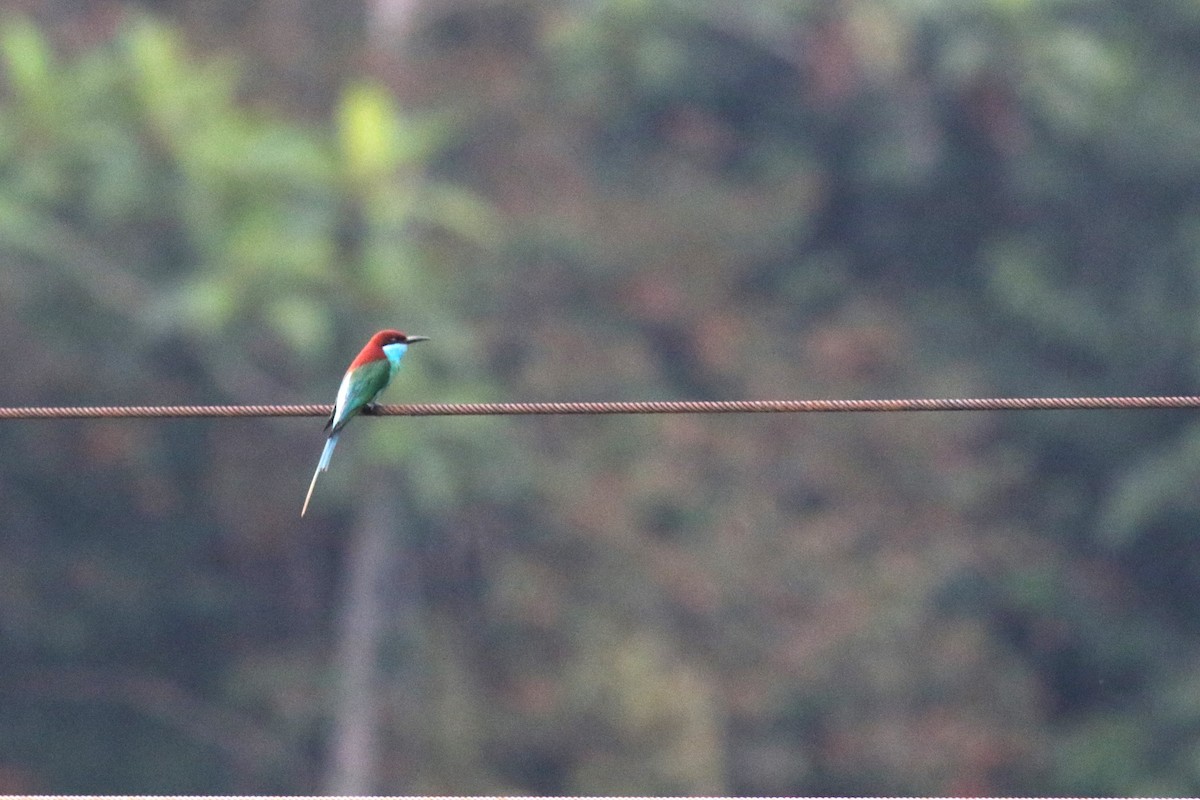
<point>370,409</point>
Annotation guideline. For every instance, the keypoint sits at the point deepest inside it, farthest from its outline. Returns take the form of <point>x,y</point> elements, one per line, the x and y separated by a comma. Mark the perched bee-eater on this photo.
<point>366,377</point>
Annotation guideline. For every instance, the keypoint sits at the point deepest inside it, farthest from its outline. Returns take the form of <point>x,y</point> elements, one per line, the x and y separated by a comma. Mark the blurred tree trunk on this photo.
<point>354,744</point>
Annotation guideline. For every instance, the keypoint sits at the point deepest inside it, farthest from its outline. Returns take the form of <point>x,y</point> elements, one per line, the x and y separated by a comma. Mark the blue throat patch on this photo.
<point>394,353</point>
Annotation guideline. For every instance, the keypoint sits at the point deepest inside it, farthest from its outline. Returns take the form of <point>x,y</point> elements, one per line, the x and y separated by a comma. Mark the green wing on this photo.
<point>364,384</point>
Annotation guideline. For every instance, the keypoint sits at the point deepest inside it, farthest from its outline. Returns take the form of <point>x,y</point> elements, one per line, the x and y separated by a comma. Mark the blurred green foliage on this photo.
<point>609,200</point>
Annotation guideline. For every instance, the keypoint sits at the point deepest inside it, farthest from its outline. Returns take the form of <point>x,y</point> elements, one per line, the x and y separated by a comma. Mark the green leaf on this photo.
<point>367,132</point>
<point>27,57</point>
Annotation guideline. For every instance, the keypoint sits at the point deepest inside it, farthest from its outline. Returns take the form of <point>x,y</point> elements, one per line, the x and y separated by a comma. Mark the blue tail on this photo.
<point>327,453</point>
<point>322,465</point>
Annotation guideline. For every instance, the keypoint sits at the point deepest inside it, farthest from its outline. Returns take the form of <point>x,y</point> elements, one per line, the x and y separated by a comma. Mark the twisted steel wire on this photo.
<point>617,407</point>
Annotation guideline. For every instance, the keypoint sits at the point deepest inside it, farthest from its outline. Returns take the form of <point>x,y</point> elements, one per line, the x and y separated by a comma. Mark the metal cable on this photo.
<point>618,407</point>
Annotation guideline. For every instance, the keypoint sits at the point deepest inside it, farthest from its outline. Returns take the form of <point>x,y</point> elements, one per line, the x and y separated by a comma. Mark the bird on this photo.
<point>368,375</point>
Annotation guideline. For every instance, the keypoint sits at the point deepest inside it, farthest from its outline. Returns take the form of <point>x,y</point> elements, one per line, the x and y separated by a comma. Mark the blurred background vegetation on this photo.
<point>601,199</point>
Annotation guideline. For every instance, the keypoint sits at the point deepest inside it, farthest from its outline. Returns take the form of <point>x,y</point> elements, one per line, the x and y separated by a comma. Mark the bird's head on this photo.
<point>392,345</point>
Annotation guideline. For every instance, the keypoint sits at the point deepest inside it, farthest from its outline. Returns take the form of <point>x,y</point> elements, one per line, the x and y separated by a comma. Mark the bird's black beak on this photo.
<point>414,338</point>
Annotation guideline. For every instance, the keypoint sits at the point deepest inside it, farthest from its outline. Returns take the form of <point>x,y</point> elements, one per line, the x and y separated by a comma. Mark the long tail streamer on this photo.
<point>322,465</point>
